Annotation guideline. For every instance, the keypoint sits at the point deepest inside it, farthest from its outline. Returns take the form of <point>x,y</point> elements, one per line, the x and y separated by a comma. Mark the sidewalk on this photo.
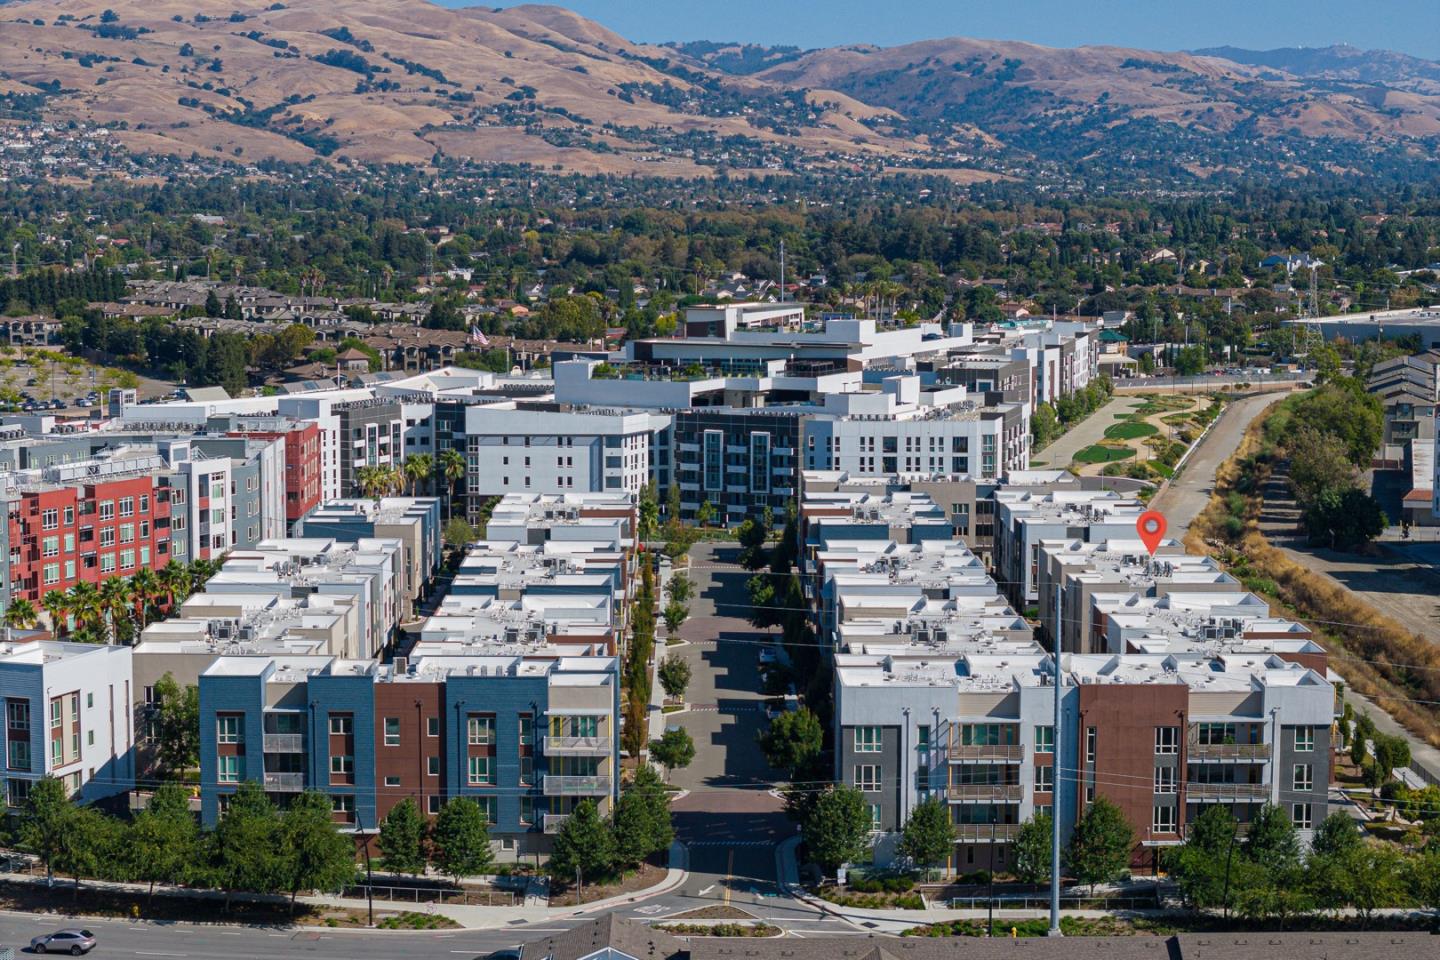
<point>1089,431</point>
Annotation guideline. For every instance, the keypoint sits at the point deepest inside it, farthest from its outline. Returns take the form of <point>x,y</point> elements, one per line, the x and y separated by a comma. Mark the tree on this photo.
<point>1376,879</point>
<point>929,835</point>
<point>1190,361</point>
<point>1345,519</point>
<point>674,749</point>
<point>1272,839</point>
<point>584,847</point>
<point>836,827</point>
<point>675,675</point>
<point>115,600</point>
<point>1337,835</point>
<point>313,854</point>
<point>649,513</point>
<point>48,816</point>
<point>402,839</point>
<point>21,614</point>
<point>792,741</point>
<point>679,588</point>
<point>1424,877</point>
<point>765,604</point>
<point>145,589</point>
<point>459,532</point>
<point>462,839</point>
<point>176,714</point>
<point>705,513</point>
<point>675,614</point>
<point>244,844</point>
<point>1342,409</point>
<point>57,607</point>
<point>162,841</point>
<point>1391,754</point>
<point>213,307</point>
<point>1033,843</point>
<point>452,468</point>
<point>1101,844</point>
<point>86,845</point>
<point>1044,426</point>
<point>752,535</point>
<point>641,821</point>
<point>1318,462</point>
<point>419,468</point>
<point>1199,865</point>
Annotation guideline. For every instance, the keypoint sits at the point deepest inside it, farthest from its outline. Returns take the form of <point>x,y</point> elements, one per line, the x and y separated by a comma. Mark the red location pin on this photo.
<point>1151,527</point>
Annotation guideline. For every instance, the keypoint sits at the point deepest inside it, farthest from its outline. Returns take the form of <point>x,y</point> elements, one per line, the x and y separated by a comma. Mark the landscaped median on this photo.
<point>1148,442</point>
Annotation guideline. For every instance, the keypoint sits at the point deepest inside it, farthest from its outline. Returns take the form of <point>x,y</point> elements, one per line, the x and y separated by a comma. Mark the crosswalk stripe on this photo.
<point>728,843</point>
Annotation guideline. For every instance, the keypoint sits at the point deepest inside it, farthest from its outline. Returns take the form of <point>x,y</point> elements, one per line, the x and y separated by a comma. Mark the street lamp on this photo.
<point>369,876</point>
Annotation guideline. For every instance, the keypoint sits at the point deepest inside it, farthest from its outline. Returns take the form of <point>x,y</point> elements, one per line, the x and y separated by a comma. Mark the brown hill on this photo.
<point>403,80</point>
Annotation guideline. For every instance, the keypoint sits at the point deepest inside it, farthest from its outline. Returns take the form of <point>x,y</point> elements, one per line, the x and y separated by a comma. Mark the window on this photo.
<point>1045,779</point>
<point>107,536</point>
<point>340,726</point>
<point>19,755</point>
<point>432,804</point>
<point>527,809</point>
<point>432,766</point>
<point>527,730</point>
<point>1164,779</point>
<point>1164,820</point>
<point>51,573</point>
<point>867,739</point>
<point>392,731</point>
<point>56,714</point>
<point>1045,739</point>
<point>127,559</point>
<point>1167,740</point>
<point>527,769</point>
<point>229,769</point>
<point>1301,816</point>
<point>17,792</point>
<point>342,804</point>
<point>49,519</point>
<point>482,772</point>
<point>127,506</point>
<point>341,764</point>
<point>432,726</point>
<point>392,781</point>
<point>50,546</point>
<point>759,463</point>
<point>1214,734</point>
<point>127,533</point>
<point>1304,739</point>
<point>107,509</point>
<point>1090,740</point>
<point>490,806</point>
<point>228,730</point>
<point>867,777</point>
<point>107,563</point>
<point>481,731</point>
<point>1304,777</point>
<point>922,737</point>
<point>922,777</point>
<point>17,714</point>
<point>875,818</point>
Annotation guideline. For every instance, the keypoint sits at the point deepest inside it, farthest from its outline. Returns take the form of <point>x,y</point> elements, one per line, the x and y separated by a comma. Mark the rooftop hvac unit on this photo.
<point>402,666</point>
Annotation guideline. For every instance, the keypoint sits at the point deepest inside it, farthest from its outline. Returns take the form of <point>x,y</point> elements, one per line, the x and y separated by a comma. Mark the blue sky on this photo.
<point>1412,26</point>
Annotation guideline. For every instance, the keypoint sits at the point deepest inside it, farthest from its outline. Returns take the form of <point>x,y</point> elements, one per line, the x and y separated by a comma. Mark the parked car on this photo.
<point>71,940</point>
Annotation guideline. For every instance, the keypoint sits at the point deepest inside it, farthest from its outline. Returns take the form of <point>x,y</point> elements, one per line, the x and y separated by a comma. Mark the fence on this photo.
<point>1151,902</point>
<point>451,895</point>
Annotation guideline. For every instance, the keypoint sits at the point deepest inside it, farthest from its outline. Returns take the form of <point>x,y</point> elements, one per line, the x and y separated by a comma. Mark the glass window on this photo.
<point>230,769</point>
<point>875,816</point>
<point>1163,820</point>
<point>527,730</point>
<point>432,726</point>
<point>867,777</point>
<point>17,714</point>
<point>490,806</point>
<point>392,731</point>
<point>1045,779</point>
<point>867,739</point>
<point>1304,777</point>
<point>1301,816</point>
<point>1045,739</point>
<point>1167,740</point>
<point>482,771</point>
<point>1304,739</point>
<point>341,726</point>
<point>1165,780</point>
<point>341,763</point>
<point>19,755</point>
<point>481,731</point>
<point>432,766</point>
<point>922,737</point>
<point>228,730</point>
<point>1090,742</point>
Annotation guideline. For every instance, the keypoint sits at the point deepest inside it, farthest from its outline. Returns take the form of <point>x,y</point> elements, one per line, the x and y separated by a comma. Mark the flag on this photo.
<point>477,335</point>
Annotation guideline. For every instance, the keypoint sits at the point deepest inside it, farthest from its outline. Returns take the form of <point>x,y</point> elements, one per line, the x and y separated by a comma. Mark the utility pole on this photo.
<point>782,271</point>
<point>1057,741</point>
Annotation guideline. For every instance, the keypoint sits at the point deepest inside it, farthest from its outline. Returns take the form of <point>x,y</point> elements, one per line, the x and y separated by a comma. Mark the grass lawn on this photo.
<point>1131,430</point>
<point>1099,453</point>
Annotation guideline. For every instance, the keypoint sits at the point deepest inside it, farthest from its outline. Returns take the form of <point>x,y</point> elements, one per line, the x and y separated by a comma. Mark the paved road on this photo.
<point>1184,497</point>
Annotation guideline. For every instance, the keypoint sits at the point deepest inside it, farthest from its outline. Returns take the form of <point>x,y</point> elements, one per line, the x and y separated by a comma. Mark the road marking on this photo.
<point>146,953</point>
<point>729,870</point>
<point>706,890</point>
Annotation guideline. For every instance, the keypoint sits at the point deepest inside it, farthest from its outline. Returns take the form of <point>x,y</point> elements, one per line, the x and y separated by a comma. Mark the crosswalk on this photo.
<point>734,708</point>
<point>728,843</point>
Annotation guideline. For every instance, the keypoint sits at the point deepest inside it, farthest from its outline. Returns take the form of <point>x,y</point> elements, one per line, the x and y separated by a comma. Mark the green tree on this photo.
<point>20,614</point>
<point>462,839</point>
<point>584,847</point>
<point>674,749</point>
<point>176,716</point>
<point>929,835</point>
<point>402,839</point>
<point>1342,409</point>
<point>1423,877</point>
<point>705,513</point>
<point>752,536</point>
<point>1190,361</point>
<point>87,844</point>
<point>792,741</point>
<point>765,603</point>
<point>1044,426</point>
<point>675,614</point>
<point>1391,754</point>
<point>675,675</point>
<point>1318,462</point>
<point>47,817</point>
<point>458,532</point>
<point>419,468</point>
<point>1101,844</point>
<point>649,513</point>
<point>1376,879</point>
<point>1272,839</point>
<point>452,468</point>
<point>1344,518</point>
<point>163,839</point>
<point>1033,843</point>
<point>1199,865</point>
<point>244,846</point>
<point>679,588</point>
<point>641,821</point>
<point>314,855</point>
<point>836,827</point>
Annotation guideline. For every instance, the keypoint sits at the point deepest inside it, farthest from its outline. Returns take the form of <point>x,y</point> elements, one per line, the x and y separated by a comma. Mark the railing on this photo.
<point>284,743</point>
<point>1227,791</point>
<point>570,746</point>
<point>1228,751</point>
<point>1011,752</point>
<point>554,821</point>
<point>1066,903</point>
<point>985,832</point>
<point>557,786</point>
<point>451,895</point>
<point>991,792</point>
<point>284,781</point>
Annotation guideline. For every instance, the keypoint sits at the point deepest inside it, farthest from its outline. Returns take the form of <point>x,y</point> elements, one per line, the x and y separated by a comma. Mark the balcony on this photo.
<point>984,792</point>
<point>577,746</point>
<point>554,821</point>
<point>1228,751</point>
<point>1003,752</point>
<point>284,782</point>
<point>986,832</point>
<point>557,786</point>
<point>284,743</point>
<point>1216,792</point>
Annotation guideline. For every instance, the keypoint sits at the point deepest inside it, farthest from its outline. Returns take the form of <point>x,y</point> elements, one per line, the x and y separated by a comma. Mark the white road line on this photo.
<point>146,953</point>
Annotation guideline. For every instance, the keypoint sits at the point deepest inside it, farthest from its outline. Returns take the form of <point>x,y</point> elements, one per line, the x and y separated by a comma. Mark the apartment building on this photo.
<point>68,716</point>
<point>1025,517</point>
<point>609,519</point>
<point>301,441</point>
<point>1162,736</point>
<point>528,739</point>
<point>413,521</point>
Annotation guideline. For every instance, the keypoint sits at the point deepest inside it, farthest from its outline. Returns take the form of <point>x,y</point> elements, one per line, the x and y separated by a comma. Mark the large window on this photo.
<point>1300,815</point>
<point>867,777</point>
<point>230,769</point>
<point>1045,739</point>
<point>1165,780</point>
<point>1164,820</point>
<point>1045,779</point>
<point>1167,740</point>
<point>1304,777</point>
<point>392,731</point>
<point>713,459</point>
<point>1304,739</point>
<point>482,771</point>
<point>228,730</point>
<point>341,725</point>
<point>759,463</point>
<point>867,739</point>
<point>482,731</point>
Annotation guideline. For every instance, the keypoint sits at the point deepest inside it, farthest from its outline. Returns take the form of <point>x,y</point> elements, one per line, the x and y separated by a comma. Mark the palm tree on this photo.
<point>372,481</point>
<point>200,572</point>
<point>452,467</point>
<point>419,469</point>
<point>57,605</point>
<point>115,597</point>
<point>84,604</point>
<point>145,589</point>
<point>174,579</point>
<point>21,614</point>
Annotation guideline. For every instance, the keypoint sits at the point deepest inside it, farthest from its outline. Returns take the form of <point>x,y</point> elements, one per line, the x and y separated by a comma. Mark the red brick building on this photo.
<point>91,531</point>
<point>302,463</point>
